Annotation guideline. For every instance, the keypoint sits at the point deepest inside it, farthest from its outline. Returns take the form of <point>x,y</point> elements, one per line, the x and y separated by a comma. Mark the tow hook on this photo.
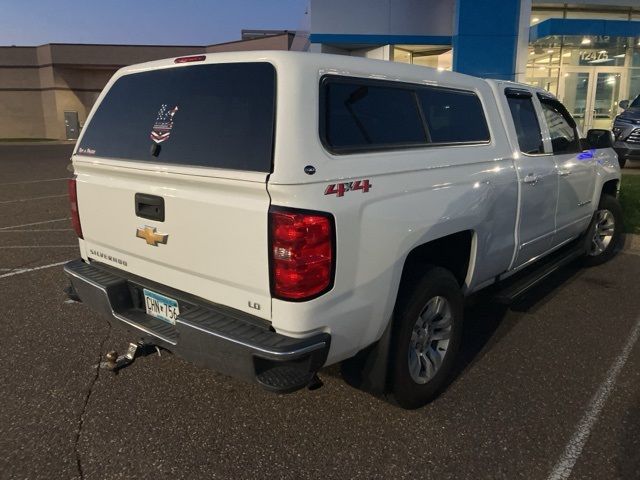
<point>117,362</point>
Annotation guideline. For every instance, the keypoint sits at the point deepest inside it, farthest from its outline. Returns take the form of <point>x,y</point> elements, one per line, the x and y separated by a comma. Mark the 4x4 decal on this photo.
<point>339,189</point>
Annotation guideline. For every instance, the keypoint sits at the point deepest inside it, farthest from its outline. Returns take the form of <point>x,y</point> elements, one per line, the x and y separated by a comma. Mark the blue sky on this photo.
<point>168,22</point>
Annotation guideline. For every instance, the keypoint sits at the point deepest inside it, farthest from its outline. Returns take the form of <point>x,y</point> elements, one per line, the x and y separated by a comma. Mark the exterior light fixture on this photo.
<point>585,41</point>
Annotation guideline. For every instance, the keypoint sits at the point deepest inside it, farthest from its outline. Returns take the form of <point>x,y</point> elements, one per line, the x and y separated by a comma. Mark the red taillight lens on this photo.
<point>192,58</point>
<point>73,200</point>
<point>302,253</point>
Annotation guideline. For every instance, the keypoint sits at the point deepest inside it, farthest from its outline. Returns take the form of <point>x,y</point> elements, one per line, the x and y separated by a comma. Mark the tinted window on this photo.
<point>208,115</point>
<point>526,123</point>
<point>360,116</point>
<point>453,116</point>
<point>564,138</point>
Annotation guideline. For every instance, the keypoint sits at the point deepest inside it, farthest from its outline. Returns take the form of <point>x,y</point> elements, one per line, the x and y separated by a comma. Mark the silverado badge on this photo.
<point>150,235</point>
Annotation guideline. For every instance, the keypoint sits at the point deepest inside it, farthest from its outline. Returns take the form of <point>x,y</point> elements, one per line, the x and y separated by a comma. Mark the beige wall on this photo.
<point>38,84</point>
<point>21,114</point>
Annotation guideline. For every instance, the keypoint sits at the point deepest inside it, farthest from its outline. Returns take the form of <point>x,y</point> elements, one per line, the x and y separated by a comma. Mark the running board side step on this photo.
<point>514,287</point>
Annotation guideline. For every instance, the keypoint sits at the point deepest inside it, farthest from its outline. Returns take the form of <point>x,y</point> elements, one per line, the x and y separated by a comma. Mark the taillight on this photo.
<point>191,58</point>
<point>302,253</point>
<point>73,200</point>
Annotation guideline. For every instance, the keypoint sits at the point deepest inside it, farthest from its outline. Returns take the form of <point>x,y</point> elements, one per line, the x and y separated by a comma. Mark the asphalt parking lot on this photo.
<point>547,389</point>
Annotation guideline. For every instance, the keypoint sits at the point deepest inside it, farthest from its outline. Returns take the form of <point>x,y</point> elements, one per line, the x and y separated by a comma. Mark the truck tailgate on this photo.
<point>216,231</point>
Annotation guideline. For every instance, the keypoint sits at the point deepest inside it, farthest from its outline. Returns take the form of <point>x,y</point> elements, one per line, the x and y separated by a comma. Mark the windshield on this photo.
<point>635,103</point>
<point>216,115</point>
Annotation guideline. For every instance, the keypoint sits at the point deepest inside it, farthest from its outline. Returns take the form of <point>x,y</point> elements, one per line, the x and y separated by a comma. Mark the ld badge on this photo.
<point>164,123</point>
<point>151,236</point>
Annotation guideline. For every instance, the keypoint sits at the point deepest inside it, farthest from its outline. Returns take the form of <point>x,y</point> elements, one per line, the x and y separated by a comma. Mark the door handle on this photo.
<point>532,178</point>
<point>563,172</point>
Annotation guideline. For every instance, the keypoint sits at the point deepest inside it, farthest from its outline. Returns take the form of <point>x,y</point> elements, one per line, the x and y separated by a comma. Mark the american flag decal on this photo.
<point>164,123</point>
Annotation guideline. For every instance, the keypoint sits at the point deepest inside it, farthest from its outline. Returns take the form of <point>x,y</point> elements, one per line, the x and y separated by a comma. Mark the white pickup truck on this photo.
<point>270,213</point>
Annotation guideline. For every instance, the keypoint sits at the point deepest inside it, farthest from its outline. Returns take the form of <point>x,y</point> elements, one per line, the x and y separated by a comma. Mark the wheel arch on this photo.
<point>454,252</point>
<point>369,369</point>
<point>610,187</point>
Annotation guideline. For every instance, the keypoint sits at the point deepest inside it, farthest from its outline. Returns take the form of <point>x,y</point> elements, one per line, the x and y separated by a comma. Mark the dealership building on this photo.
<point>586,52</point>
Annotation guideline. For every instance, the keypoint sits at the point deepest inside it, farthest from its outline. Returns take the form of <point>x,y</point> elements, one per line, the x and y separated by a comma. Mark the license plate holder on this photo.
<point>160,306</point>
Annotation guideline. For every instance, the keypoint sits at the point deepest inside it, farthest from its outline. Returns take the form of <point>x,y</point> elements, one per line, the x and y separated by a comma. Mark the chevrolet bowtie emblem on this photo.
<point>150,235</point>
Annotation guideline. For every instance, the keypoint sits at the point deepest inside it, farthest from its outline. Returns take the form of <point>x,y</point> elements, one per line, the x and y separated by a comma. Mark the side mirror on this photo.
<point>624,104</point>
<point>599,138</point>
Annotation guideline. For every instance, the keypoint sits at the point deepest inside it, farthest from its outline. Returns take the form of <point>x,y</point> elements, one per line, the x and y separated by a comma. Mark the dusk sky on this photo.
<point>169,22</point>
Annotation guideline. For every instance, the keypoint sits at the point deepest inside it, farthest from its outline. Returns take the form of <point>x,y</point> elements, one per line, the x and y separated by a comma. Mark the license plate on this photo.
<point>161,307</point>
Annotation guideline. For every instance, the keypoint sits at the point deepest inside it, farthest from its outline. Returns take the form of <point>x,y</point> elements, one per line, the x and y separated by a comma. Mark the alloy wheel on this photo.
<point>430,339</point>
<point>603,233</point>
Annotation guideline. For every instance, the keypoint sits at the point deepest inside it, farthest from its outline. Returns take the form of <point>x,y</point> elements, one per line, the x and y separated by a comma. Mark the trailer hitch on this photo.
<point>117,362</point>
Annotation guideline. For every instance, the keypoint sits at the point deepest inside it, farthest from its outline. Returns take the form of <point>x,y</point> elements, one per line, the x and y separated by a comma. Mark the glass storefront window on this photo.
<point>635,56</point>
<point>589,74</point>
<point>580,51</point>
<point>621,15</point>
<point>541,14</point>
<point>634,84</point>
<point>538,16</point>
<point>401,56</point>
<point>424,55</point>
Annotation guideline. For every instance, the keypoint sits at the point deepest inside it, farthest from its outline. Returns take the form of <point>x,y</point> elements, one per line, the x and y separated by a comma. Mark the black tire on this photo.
<point>594,256</point>
<point>413,298</point>
<point>622,161</point>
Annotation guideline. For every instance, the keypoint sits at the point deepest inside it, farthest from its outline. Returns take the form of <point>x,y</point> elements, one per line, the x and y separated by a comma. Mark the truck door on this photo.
<point>537,177</point>
<point>575,169</point>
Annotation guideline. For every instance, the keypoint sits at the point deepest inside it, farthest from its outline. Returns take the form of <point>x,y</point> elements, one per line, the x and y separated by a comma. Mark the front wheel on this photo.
<point>426,337</point>
<point>604,236</point>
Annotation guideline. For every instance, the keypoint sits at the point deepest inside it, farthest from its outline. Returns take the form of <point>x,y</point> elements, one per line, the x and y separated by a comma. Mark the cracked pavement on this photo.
<point>526,376</point>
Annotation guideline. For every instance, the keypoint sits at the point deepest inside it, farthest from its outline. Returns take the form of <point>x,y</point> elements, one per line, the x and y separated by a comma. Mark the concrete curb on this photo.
<point>632,242</point>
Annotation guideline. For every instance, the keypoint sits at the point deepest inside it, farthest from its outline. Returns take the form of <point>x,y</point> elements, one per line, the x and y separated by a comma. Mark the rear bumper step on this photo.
<point>223,339</point>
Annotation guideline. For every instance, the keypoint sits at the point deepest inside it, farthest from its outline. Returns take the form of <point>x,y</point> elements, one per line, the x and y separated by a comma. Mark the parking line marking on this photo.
<point>26,270</point>
<point>35,181</point>
<point>38,246</point>
<point>565,464</point>
<point>35,223</point>
<point>4,202</point>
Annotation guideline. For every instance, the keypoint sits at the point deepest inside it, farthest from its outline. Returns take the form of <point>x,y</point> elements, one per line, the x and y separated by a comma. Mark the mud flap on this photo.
<point>368,370</point>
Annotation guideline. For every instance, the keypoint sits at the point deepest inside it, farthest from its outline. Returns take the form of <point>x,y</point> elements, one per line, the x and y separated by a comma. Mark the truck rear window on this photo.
<point>216,115</point>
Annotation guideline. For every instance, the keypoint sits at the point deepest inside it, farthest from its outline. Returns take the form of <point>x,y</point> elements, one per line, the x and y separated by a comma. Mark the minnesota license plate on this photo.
<point>161,307</point>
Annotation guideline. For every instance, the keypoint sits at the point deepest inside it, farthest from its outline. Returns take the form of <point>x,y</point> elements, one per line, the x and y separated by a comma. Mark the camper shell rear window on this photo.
<point>213,115</point>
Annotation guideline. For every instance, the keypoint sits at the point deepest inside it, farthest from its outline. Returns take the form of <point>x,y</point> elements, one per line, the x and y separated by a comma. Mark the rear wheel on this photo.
<point>604,236</point>
<point>426,337</point>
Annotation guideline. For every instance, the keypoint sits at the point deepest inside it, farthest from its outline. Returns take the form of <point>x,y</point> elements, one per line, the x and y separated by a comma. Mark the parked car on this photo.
<point>626,128</point>
<point>270,213</point>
